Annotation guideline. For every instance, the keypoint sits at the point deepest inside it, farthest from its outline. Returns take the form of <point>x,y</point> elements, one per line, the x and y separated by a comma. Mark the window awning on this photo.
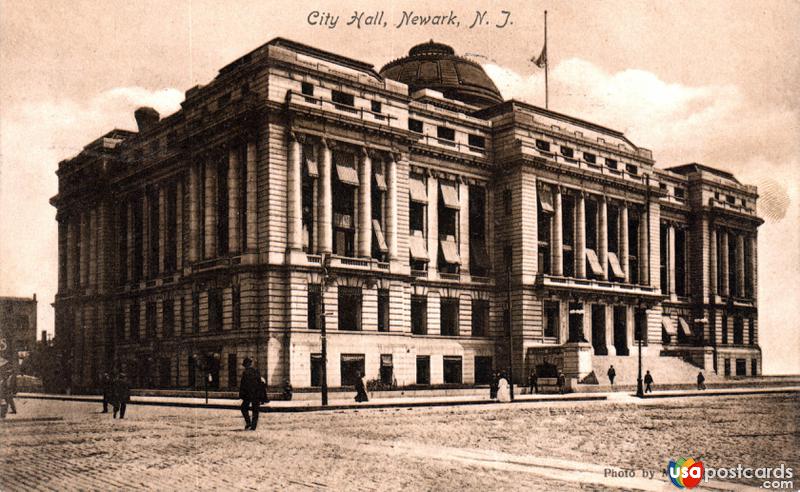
<point>310,158</point>
<point>416,247</point>
<point>668,326</point>
<point>450,195</point>
<point>684,327</point>
<point>386,360</point>
<point>616,268</point>
<point>347,173</point>
<point>546,199</point>
<point>594,262</point>
<point>379,239</point>
<point>416,188</point>
<point>450,250</point>
<point>478,253</point>
<point>380,181</point>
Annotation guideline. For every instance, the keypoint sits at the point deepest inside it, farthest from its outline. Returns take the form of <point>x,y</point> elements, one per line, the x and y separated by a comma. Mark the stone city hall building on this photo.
<point>430,201</point>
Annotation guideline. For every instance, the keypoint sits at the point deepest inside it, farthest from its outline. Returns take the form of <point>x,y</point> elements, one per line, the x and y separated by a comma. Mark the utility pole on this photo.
<point>325,262</point>
<point>639,387</point>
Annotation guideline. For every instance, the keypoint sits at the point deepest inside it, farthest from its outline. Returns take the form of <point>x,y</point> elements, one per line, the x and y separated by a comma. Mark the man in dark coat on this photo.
<point>11,390</point>
<point>105,381</point>
<point>562,383</point>
<point>533,382</point>
<point>612,373</point>
<point>121,395</point>
<point>493,386</point>
<point>701,381</point>
<point>250,393</point>
<point>648,381</point>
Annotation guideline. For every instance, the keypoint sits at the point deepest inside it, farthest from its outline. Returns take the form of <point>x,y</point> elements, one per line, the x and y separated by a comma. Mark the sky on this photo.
<point>712,82</point>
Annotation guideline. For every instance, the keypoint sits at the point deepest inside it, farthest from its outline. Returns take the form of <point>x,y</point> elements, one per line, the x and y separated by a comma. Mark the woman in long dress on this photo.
<point>503,391</point>
<point>361,389</point>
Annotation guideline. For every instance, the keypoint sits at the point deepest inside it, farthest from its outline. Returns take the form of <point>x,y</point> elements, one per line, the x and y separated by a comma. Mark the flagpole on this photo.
<point>546,66</point>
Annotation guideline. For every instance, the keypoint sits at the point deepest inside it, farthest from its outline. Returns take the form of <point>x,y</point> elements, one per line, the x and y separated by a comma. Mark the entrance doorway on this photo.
<point>621,330</point>
<point>599,329</point>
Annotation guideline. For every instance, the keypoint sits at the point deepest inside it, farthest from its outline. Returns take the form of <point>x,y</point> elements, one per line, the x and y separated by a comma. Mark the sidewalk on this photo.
<point>410,402</point>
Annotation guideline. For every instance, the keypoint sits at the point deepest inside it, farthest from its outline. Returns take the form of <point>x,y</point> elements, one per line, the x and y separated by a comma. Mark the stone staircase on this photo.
<point>664,369</point>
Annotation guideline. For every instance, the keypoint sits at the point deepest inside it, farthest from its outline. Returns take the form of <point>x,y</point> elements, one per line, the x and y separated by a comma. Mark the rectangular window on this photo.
<point>680,262</point>
<point>478,255</point>
<point>423,369</point>
<point>150,319</point>
<point>387,369</point>
<point>568,235</point>
<point>236,305</point>
<point>738,331</point>
<point>376,106</point>
<point>215,312</point>
<point>138,239</point>
<point>416,216</point>
<point>724,329</point>
<point>480,317</point>
<point>352,368</point>
<point>680,193</point>
<point>168,317</point>
<point>307,88</point>
<point>612,163</point>
<point>483,369</point>
<point>640,325</point>
<point>444,133</point>
<point>383,309</point>
<point>631,169</point>
<point>567,152</point>
<point>727,364</point>
<point>316,370</point>
<point>222,206</point>
<point>452,368</point>
<point>233,370</point>
<point>342,98</point>
<point>664,254</point>
<point>154,226</point>
<point>751,331</point>
<point>419,315</point>
<point>544,218</point>
<point>349,308</point>
<point>477,141</point>
<point>551,318</point>
<point>507,202</point>
<point>633,248</point>
<point>590,158</point>
<point>134,320</point>
<point>314,306</point>
<point>730,199</point>
<point>415,125</point>
<point>754,367</point>
<point>122,243</point>
<point>449,316</point>
<point>119,322</point>
<point>741,367</point>
<point>171,237</point>
<point>543,145</point>
<point>508,257</point>
<point>195,312</point>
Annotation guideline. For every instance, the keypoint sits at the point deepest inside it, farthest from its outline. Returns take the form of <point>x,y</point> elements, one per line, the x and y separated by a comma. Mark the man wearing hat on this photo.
<point>250,393</point>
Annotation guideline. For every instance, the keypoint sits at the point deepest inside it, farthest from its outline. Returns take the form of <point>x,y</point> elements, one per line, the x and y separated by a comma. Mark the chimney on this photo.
<point>146,117</point>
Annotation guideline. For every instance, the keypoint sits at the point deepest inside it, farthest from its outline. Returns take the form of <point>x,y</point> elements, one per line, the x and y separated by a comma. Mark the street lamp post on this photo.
<point>510,341</point>
<point>639,388</point>
<point>323,335</point>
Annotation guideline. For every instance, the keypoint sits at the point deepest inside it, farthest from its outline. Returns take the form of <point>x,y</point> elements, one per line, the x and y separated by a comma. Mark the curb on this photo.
<point>765,391</point>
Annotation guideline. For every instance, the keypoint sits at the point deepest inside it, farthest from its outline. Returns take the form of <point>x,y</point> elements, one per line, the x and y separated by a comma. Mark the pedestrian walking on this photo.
<point>533,382</point>
<point>612,373</point>
<point>503,390</point>
<point>287,390</point>
<point>11,390</point>
<point>105,381</point>
<point>701,381</point>
<point>648,381</point>
<point>361,388</point>
<point>250,389</point>
<point>3,404</point>
<point>493,386</point>
<point>562,383</point>
<point>120,395</point>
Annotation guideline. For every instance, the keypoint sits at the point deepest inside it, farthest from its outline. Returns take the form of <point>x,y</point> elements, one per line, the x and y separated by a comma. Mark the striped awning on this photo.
<point>594,262</point>
<point>616,268</point>
<point>379,239</point>
<point>310,158</point>
<point>668,326</point>
<point>380,181</point>
<point>347,173</point>
<point>450,194</point>
<point>684,327</point>
<point>416,247</point>
<point>417,191</point>
<point>450,250</point>
<point>546,199</point>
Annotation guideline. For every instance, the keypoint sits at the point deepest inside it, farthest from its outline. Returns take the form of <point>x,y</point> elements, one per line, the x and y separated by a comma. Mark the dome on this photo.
<point>435,66</point>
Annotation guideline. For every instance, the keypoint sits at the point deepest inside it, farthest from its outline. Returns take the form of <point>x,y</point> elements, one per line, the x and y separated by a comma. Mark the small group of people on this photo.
<point>499,388</point>
<point>648,380</point>
<point>117,393</point>
<point>533,382</point>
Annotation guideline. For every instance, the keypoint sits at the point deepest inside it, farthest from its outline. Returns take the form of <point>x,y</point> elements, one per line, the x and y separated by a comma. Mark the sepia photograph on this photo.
<point>415,245</point>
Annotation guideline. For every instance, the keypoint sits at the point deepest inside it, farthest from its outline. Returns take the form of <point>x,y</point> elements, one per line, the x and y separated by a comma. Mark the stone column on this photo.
<point>433,225</point>
<point>131,243</point>
<point>194,212</point>
<point>391,206</point>
<point>624,252</point>
<point>63,254</point>
<point>365,206</point>
<point>740,265</point>
<point>670,259</point>
<point>146,236</point>
<point>325,204</point>
<point>753,245</point>
<point>71,257</point>
<point>580,236</point>
<point>92,249</point>
<point>294,204</point>
<point>463,226</point>
<point>644,259</point>
<point>723,244</point>
<point>556,250</point>
<point>602,238</point>
<point>210,188</point>
<point>84,258</point>
<point>234,199</point>
<point>252,198</point>
<point>712,262</point>
<point>162,226</point>
<point>179,224</point>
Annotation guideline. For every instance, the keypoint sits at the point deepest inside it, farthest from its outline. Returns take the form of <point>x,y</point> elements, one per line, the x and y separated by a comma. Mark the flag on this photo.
<point>541,61</point>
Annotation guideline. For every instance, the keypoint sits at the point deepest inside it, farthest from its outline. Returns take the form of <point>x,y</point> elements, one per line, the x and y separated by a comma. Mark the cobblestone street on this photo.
<point>70,445</point>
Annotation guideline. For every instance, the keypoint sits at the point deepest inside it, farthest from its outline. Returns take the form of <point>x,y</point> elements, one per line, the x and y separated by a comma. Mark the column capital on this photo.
<point>328,143</point>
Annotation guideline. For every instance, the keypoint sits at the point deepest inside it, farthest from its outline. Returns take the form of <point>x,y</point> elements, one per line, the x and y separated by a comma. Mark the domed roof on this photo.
<point>435,66</point>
